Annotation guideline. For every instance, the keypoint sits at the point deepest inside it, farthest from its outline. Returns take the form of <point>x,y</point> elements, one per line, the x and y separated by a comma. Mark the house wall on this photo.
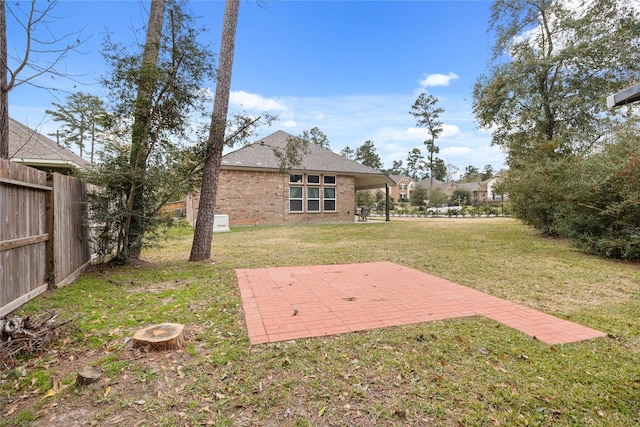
<point>262,198</point>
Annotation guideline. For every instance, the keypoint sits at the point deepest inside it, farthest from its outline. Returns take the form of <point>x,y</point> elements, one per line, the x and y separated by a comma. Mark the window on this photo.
<point>295,199</point>
<point>403,186</point>
<point>312,193</point>
<point>329,199</point>
<point>313,199</point>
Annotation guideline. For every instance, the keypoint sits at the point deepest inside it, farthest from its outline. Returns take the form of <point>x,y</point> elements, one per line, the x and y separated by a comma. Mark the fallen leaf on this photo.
<point>50,393</point>
<point>321,411</point>
<point>12,409</point>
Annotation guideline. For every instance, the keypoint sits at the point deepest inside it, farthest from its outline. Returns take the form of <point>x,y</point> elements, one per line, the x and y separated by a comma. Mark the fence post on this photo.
<point>50,272</point>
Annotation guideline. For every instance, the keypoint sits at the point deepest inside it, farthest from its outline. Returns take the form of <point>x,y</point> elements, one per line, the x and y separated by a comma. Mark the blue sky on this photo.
<point>351,68</point>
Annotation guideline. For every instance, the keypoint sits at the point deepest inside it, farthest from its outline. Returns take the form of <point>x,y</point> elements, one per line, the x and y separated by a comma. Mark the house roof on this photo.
<point>260,156</point>
<point>398,178</point>
<point>469,186</point>
<point>31,148</point>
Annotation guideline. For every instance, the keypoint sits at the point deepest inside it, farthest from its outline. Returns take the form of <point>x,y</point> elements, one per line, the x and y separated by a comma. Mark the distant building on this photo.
<point>31,148</point>
<point>401,191</point>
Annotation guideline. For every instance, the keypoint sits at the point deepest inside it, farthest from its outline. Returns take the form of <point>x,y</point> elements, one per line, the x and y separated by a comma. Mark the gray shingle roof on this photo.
<point>32,148</point>
<point>260,155</point>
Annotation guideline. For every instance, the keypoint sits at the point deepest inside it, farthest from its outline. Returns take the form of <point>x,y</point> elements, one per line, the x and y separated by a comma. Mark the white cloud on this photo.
<point>252,101</point>
<point>456,151</point>
<point>437,80</point>
<point>422,134</point>
<point>384,119</point>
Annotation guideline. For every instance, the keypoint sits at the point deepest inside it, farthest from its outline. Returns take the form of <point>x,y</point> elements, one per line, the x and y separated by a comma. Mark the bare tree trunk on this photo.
<point>4,90</point>
<point>201,246</point>
<point>134,228</point>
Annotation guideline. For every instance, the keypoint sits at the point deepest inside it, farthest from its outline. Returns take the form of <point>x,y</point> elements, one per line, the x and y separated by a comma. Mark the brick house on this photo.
<point>322,189</point>
<point>401,190</point>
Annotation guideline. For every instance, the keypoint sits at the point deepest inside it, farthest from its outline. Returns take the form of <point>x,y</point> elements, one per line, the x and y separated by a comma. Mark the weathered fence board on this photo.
<point>71,250</point>
<point>44,240</point>
<point>23,195</point>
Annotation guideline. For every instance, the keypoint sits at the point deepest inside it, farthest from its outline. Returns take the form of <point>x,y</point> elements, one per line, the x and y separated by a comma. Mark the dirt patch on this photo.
<point>134,381</point>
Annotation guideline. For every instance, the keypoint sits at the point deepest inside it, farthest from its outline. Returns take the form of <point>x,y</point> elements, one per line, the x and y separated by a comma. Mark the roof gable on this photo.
<point>260,155</point>
<point>32,148</point>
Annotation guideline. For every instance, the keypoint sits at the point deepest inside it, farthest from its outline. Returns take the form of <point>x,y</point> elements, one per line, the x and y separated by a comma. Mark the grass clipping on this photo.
<point>165,336</point>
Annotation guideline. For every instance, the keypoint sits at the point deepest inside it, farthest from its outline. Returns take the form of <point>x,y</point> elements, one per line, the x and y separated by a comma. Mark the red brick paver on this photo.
<point>286,303</point>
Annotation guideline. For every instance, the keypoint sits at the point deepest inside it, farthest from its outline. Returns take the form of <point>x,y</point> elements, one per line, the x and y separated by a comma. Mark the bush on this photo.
<point>594,199</point>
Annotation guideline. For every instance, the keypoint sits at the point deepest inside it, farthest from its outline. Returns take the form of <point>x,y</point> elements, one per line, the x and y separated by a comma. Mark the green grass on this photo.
<point>473,371</point>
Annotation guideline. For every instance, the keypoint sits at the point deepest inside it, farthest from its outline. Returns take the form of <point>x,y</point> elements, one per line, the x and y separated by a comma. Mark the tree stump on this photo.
<point>165,336</point>
<point>88,375</point>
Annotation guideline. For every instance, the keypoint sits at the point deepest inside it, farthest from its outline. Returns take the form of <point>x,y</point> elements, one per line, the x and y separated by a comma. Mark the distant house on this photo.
<point>322,189</point>
<point>30,148</point>
<point>446,188</point>
<point>401,191</point>
<point>477,189</point>
<point>492,193</point>
<point>480,191</point>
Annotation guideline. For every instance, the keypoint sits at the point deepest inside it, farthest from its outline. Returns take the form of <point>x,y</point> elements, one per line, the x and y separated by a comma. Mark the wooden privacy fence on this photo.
<point>44,238</point>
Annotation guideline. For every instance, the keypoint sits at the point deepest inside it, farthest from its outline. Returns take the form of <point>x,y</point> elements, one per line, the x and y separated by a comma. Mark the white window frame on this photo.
<point>312,183</point>
<point>326,199</point>
<point>296,199</point>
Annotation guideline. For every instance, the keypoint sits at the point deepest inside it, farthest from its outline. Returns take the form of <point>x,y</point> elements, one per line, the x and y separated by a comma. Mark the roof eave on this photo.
<point>627,96</point>
<point>45,163</point>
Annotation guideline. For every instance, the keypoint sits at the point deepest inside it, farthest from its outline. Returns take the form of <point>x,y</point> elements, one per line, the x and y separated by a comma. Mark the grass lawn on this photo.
<point>471,371</point>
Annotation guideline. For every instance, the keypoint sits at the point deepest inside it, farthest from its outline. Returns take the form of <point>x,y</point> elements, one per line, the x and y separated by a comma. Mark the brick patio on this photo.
<point>286,303</point>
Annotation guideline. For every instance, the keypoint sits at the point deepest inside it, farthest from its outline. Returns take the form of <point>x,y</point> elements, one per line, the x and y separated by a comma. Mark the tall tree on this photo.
<point>83,117</point>
<point>49,51</point>
<point>427,114</point>
<point>315,136</point>
<point>554,64</point>
<point>366,154</point>
<point>439,169</point>
<point>487,172</point>
<point>141,139</point>
<point>201,247</point>
<point>471,174</point>
<point>145,164</point>
<point>396,168</point>
<point>415,164</point>
<point>450,173</point>
<point>348,153</point>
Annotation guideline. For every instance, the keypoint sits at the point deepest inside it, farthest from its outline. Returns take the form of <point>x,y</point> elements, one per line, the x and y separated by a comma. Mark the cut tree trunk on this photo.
<point>88,375</point>
<point>165,336</point>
